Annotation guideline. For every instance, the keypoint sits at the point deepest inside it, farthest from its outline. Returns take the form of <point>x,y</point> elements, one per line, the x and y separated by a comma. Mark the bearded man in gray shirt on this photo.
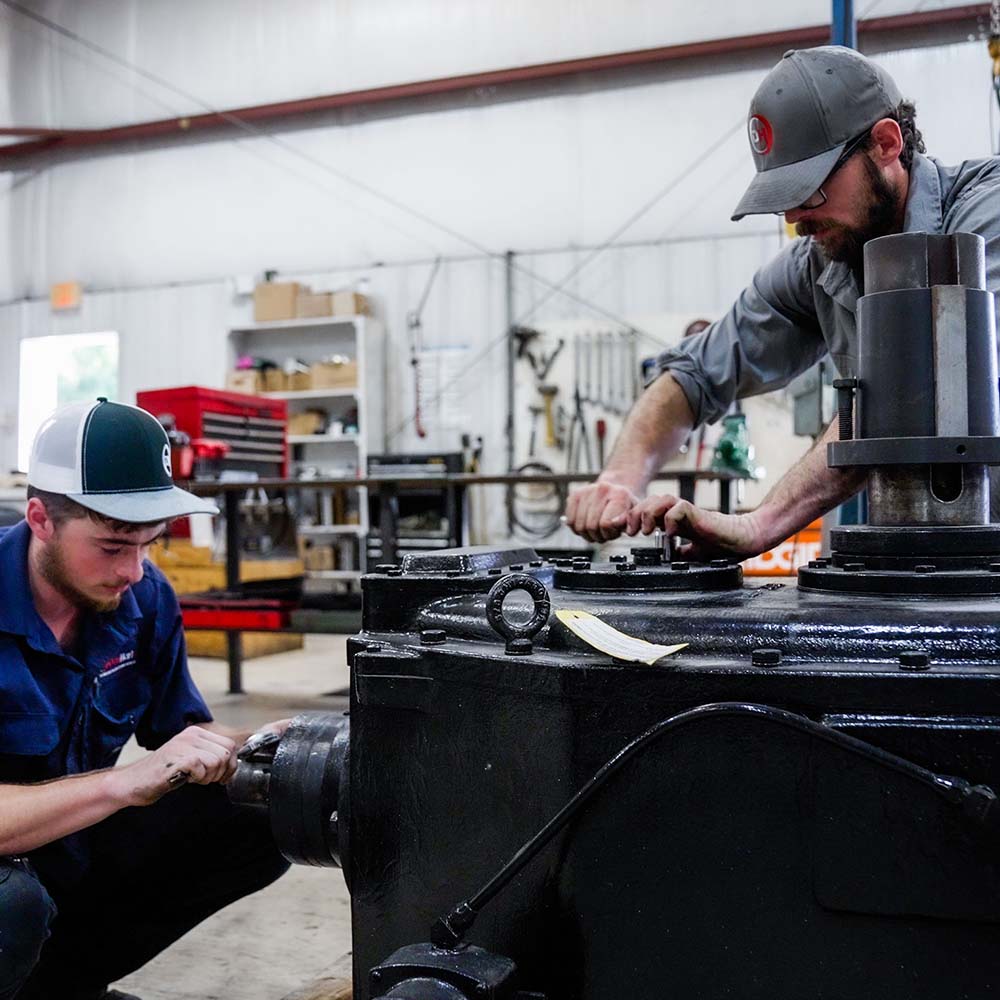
<point>837,151</point>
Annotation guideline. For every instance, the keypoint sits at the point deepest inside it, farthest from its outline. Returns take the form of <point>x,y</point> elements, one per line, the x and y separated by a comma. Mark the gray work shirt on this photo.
<point>801,307</point>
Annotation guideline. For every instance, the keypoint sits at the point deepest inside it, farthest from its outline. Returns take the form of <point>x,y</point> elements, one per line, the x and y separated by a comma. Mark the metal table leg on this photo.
<point>685,486</point>
<point>725,496</point>
<point>234,640</point>
<point>388,520</point>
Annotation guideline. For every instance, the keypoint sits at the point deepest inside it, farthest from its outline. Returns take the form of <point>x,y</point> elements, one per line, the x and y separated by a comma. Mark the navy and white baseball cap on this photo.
<point>809,107</point>
<point>112,459</point>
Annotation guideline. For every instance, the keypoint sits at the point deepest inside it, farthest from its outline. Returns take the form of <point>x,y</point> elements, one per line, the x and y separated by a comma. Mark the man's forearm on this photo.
<point>809,489</point>
<point>655,430</point>
<point>33,815</point>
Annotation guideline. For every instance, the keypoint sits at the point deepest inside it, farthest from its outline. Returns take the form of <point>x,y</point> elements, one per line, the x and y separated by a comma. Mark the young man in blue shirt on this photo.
<point>92,652</point>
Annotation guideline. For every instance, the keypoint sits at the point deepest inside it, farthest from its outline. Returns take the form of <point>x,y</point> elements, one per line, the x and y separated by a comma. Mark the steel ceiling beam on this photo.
<point>49,141</point>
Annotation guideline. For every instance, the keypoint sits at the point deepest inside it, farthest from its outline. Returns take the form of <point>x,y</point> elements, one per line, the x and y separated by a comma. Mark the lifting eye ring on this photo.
<point>517,636</point>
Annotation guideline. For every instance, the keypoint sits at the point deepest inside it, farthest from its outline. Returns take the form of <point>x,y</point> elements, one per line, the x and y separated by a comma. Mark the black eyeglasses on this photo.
<point>818,197</point>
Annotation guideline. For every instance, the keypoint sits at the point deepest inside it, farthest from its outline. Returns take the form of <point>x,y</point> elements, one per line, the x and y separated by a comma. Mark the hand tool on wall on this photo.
<point>536,412</point>
<point>578,437</point>
<point>548,394</point>
<point>599,379</point>
<point>541,363</point>
<point>587,391</point>
<point>613,380</point>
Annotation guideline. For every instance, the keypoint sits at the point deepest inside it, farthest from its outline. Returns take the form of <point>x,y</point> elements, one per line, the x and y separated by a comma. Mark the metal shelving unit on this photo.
<point>339,455</point>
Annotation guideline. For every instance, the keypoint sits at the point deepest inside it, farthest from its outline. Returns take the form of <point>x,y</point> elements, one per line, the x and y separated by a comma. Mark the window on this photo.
<point>60,370</point>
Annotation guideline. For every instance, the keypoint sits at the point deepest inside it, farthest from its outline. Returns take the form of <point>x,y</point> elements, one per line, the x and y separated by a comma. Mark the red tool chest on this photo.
<point>254,427</point>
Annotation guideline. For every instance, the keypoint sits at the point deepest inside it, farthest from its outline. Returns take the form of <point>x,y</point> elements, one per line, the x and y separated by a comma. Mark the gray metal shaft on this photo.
<point>900,495</point>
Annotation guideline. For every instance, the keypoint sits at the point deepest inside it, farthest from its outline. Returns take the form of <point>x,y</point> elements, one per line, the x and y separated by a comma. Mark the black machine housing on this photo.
<point>797,804</point>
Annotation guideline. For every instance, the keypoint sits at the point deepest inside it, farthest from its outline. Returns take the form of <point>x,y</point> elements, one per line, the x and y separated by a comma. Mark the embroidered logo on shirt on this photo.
<point>116,663</point>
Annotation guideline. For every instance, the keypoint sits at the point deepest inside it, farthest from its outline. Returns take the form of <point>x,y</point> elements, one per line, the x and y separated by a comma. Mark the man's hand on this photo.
<point>266,735</point>
<point>200,757</point>
<point>711,534</point>
<point>599,511</point>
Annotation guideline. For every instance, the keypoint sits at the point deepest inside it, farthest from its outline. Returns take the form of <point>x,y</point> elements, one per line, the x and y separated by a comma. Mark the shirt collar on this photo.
<point>924,211</point>
<point>18,615</point>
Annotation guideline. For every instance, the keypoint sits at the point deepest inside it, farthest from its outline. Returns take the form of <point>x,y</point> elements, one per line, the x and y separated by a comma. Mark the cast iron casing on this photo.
<point>734,857</point>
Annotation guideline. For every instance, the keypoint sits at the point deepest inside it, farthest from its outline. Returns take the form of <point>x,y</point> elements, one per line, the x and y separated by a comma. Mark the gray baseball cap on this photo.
<point>809,107</point>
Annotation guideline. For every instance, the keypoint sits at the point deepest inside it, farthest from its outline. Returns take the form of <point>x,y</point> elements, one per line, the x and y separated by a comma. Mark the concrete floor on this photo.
<point>275,942</point>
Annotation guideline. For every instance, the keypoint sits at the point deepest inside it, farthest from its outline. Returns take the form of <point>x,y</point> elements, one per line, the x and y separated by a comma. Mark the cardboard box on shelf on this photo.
<point>319,556</point>
<point>274,300</point>
<point>274,380</point>
<point>330,375</point>
<point>244,380</point>
<point>311,304</point>
<point>298,381</point>
<point>351,304</point>
<point>310,422</point>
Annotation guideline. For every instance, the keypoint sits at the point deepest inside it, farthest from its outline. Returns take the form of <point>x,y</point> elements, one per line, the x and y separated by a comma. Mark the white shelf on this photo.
<point>311,394</point>
<point>321,438</point>
<point>298,324</point>
<point>331,529</point>
<point>333,574</point>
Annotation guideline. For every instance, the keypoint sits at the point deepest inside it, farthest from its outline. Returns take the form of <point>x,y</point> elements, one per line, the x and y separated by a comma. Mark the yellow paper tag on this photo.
<point>609,640</point>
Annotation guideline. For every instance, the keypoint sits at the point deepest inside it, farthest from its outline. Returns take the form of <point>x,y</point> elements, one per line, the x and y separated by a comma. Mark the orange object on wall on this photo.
<point>786,558</point>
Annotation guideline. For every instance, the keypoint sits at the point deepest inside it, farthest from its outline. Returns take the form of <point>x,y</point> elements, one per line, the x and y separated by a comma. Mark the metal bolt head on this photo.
<point>519,647</point>
<point>680,567</point>
<point>496,571</point>
<point>765,657</point>
<point>395,571</point>
<point>537,563</point>
<point>618,559</point>
<point>517,566</point>
<point>914,659</point>
<point>624,567</point>
<point>432,636</point>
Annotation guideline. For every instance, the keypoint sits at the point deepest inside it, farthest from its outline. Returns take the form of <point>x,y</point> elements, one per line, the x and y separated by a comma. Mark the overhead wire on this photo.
<point>643,209</point>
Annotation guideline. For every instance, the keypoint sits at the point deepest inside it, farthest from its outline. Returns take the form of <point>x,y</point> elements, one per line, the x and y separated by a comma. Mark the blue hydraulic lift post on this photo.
<point>844,31</point>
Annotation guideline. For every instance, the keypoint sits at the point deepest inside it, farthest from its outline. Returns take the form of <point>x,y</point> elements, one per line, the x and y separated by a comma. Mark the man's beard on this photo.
<point>53,568</point>
<point>845,243</point>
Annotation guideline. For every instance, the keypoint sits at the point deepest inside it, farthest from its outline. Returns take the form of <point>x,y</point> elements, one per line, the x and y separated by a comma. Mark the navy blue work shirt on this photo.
<point>68,712</point>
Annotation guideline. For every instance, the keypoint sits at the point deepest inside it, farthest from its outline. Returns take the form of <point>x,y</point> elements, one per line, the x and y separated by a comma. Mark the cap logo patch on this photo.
<point>761,134</point>
<point>166,460</point>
